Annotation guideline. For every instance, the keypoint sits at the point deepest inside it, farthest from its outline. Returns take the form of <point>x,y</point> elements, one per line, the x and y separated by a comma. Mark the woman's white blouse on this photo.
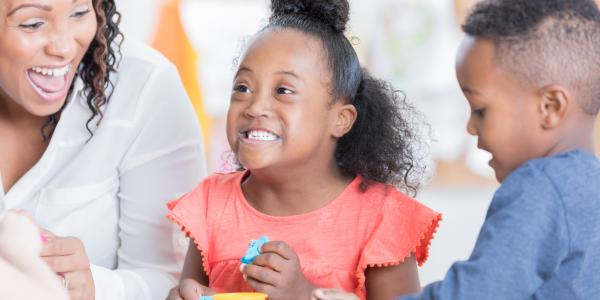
<point>111,191</point>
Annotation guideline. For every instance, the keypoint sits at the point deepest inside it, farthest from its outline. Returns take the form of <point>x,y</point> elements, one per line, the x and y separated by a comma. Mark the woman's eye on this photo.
<point>283,90</point>
<point>80,14</point>
<point>241,88</point>
<point>34,25</point>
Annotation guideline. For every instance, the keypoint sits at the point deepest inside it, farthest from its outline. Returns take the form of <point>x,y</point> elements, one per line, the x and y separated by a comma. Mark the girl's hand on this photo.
<point>66,256</point>
<point>189,289</point>
<point>276,272</point>
<point>332,294</point>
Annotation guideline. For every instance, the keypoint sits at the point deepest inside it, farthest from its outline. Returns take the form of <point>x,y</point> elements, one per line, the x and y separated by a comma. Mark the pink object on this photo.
<point>336,243</point>
<point>44,239</point>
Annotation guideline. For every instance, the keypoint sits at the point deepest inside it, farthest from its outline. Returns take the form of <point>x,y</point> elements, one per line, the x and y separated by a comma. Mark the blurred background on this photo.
<point>411,43</point>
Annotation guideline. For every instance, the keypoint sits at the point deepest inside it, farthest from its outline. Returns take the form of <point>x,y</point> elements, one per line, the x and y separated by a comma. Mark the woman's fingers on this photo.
<point>61,246</point>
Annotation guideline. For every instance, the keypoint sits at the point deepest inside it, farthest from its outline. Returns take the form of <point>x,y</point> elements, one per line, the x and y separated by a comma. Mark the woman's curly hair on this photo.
<point>98,62</point>
<point>383,144</point>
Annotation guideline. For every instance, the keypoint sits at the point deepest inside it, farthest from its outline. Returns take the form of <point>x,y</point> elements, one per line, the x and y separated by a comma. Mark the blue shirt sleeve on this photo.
<point>522,242</point>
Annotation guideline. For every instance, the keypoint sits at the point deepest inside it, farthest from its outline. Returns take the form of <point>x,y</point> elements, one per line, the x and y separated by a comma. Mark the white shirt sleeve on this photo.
<point>164,161</point>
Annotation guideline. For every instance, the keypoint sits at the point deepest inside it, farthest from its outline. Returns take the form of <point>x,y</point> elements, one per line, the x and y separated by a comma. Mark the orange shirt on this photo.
<point>336,243</point>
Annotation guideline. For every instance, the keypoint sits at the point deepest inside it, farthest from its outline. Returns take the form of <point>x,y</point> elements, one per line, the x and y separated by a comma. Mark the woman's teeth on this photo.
<point>54,72</point>
<point>261,135</point>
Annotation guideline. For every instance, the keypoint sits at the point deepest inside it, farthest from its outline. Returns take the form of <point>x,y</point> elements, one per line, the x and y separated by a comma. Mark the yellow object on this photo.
<point>240,296</point>
<point>171,40</point>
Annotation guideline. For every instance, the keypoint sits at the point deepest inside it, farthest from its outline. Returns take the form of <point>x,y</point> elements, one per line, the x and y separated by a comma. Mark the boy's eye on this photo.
<point>283,90</point>
<point>80,14</point>
<point>240,88</point>
<point>479,112</point>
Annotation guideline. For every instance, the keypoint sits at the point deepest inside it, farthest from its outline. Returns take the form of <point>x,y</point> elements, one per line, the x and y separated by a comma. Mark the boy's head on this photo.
<point>530,70</point>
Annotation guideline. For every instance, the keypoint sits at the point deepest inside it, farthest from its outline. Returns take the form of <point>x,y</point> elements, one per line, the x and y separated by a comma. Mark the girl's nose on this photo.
<point>259,107</point>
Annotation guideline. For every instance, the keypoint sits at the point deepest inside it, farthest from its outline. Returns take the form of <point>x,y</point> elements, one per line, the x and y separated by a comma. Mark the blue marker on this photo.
<point>253,250</point>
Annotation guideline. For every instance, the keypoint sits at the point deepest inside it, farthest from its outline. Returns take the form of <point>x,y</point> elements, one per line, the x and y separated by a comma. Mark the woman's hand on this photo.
<point>67,257</point>
<point>189,289</point>
<point>276,272</point>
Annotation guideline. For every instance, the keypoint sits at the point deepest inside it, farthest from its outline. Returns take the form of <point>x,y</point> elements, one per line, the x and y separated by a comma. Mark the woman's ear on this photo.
<point>345,117</point>
<point>554,103</point>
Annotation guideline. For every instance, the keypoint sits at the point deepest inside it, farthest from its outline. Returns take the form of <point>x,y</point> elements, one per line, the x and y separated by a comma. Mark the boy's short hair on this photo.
<point>545,42</point>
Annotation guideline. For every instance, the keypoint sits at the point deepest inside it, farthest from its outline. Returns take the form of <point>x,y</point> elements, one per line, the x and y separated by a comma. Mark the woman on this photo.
<point>94,141</point>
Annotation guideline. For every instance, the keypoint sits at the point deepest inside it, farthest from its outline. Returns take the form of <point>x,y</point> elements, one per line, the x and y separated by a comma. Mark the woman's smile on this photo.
<point>50,83</point>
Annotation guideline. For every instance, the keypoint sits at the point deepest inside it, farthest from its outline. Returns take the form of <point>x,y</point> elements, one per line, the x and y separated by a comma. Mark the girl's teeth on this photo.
<point>261,136</point>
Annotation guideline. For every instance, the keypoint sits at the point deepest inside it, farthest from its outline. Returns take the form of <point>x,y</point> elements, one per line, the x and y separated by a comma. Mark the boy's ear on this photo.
<point>346,115</point>
<point>553,105</point>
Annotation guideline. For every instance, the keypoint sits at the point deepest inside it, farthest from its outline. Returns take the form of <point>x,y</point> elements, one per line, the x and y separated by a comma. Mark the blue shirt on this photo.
<point>540,238</point>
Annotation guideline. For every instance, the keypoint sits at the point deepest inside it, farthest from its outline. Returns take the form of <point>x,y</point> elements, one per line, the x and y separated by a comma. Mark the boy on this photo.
<point>530,70</point>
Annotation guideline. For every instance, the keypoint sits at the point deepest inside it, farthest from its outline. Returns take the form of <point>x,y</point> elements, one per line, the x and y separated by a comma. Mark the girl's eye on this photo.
<point>33,25</point>
<point>80,14</point>
<point>240,88</point>
<point>283,90</point>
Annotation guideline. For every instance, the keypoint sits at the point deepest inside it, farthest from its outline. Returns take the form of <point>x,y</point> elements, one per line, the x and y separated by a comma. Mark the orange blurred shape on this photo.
<point>171,40</point>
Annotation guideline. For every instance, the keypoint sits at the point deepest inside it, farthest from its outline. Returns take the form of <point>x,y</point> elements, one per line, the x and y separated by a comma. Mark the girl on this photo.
<point>322,145</point>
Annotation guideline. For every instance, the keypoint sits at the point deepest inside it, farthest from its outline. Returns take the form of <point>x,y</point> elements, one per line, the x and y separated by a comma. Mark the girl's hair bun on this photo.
<point>332,13</point>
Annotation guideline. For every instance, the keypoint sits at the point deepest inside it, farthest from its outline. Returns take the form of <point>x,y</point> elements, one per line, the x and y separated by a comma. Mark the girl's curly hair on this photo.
<point>98,62</point>
<point>383,144</point>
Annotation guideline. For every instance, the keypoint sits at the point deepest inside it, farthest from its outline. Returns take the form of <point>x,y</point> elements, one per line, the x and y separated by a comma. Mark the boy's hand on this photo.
<point>189,289</point>
<point>276,272</point>
<point>332,294</point>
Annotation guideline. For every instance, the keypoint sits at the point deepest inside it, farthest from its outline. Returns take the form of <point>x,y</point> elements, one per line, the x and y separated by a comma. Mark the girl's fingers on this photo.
<point>281,248</point>
<point>174,294</point>
<point>190,289</point>
<point>261,274</point>
<point>271,260</point>
<point>260,287</point>
<point>333,294</point>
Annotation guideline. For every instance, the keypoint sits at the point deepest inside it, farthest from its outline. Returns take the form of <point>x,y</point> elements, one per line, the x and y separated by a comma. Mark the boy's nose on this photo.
<point>471,128</point>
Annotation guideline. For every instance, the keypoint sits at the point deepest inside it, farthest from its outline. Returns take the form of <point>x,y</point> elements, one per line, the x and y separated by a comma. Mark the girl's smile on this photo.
<point>258,136</point>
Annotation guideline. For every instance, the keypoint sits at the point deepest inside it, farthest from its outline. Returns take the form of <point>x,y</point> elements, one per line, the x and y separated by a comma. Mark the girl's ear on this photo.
<point>345,117</point>
<point>553,105</point>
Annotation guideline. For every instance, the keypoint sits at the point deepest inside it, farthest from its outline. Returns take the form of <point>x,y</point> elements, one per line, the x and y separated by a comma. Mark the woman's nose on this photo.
<point>62,44</point>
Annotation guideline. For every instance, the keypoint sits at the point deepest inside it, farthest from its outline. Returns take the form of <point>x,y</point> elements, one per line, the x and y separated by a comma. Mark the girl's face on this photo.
<point>41,44</point>
<point>281,111</point>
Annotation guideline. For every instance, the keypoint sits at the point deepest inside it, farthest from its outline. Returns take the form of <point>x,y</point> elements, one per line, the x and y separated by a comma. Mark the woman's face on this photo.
<point>41,44</point>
